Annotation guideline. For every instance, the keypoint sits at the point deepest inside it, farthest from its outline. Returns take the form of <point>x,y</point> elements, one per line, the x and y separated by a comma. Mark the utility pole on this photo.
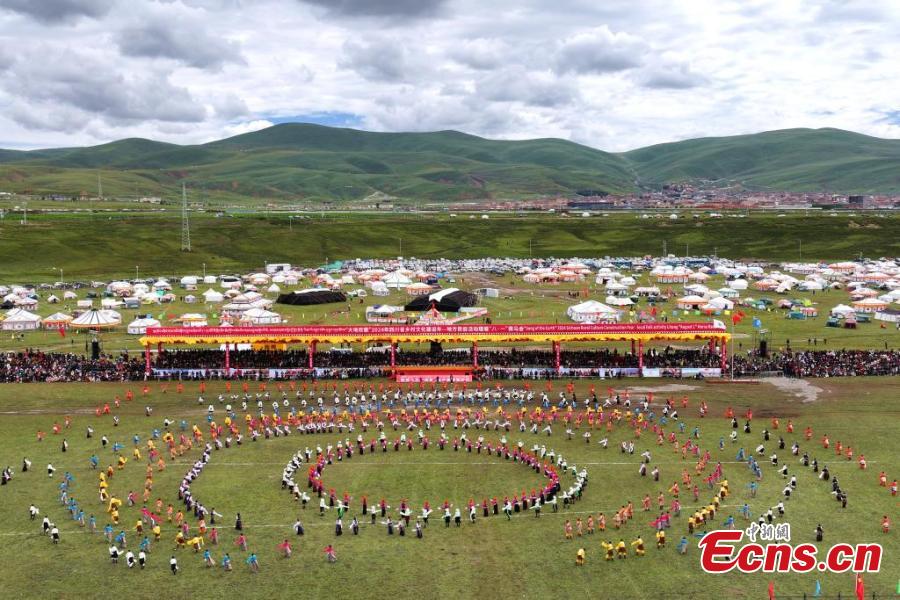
<point>665,249</point>
<point>25,214</point>
<point>401,246</point>
<point>185,225</point>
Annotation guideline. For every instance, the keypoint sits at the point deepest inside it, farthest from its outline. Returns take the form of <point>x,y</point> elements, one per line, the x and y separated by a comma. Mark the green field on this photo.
<point>297,163</point>
<point>525,557</point>
<point>112,245</point>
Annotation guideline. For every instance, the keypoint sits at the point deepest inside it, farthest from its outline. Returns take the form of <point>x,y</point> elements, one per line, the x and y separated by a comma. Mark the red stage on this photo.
<point>430,374</point>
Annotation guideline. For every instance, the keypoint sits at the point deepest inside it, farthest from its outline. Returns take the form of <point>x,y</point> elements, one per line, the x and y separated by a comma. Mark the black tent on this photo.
<point>306,297</point>
<point>449,300</point>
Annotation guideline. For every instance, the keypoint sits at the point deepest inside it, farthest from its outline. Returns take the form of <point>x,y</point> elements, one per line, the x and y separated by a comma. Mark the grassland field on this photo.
<point>105,246</point>
<point>526,557</point>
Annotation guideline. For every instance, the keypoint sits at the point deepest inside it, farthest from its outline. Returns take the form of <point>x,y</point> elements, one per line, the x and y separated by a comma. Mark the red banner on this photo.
<point>387,331</point>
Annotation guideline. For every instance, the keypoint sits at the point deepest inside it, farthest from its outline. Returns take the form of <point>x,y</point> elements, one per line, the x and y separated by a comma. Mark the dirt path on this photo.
<point>798,388</point>
<point>662,389</point>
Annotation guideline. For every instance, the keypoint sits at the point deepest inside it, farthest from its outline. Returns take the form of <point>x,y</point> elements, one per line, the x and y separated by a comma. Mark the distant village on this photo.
<point>701,197</point>
<point>684,196</point>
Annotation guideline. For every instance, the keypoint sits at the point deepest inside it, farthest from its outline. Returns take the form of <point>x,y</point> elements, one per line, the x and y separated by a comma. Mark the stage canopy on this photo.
<point>336,334</point>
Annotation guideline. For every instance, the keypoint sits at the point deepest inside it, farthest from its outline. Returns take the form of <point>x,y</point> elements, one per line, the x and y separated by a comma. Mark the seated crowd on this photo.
<point>33,366</point>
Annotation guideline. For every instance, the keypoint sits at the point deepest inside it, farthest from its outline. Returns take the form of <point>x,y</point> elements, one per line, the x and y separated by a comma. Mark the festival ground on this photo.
<point>523,557</point>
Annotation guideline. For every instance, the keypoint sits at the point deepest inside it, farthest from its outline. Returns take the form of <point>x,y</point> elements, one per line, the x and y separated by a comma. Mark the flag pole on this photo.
<point>732,349</point>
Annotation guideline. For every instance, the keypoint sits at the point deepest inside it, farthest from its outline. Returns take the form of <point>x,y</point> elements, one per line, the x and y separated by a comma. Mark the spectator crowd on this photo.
<point>33,366</point>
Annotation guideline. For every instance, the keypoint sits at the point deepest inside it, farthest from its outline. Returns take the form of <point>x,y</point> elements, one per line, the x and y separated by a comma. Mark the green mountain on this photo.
<point>788,159</point>
<point>303,162</point>
<point>296,162</point>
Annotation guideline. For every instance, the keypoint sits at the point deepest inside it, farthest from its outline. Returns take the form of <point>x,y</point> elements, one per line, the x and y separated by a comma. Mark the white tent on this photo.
<point>720,303</point>
<point>210,296</point>
<point>57,320</point>
<point>379,289</point>
<point>27,302</point>
<point>139,326</point>
<point>192,320</point>
<point>273,289</point>
<point>737,284</point>
<point>728,292</point>
<point>20,320</point>
<point>69,295</point>
<point>888,314</point>
<point>259,316</point>
<point>842,310</point>
<point>689,302</point>
<point>869,305</point>
<point>396,280</point>
<point>592,311</point>
<point>619,300</point>
<point>96,319</point>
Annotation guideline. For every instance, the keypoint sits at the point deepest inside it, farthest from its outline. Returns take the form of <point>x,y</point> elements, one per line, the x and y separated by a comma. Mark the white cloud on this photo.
<point>616,75</point>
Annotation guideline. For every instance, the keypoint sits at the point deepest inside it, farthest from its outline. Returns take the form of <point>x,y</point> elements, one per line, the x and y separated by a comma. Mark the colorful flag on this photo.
<point>860,587</point>
<point>771,590</point>
<point>818,589</point>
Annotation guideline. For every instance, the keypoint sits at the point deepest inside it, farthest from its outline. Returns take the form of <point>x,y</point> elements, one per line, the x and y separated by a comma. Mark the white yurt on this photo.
<point>842,310</point>
<point>379,289</point>
<point>619,301</point>
<point>188,282</point>
<point>192,320</point>
<point>260,316</point>
<point>70,295</point>
<point>27,302</point>
<point>396,280</point>
<point>19,319</point>
<point>592,311</point>
<point>869,305</point>
<point>96,319</point>
<point>720,303</point>
<point>728,292</point>
<point>139,326</point>
<point>211,296</point>
<point>691,302</point>
<point>57,320</point>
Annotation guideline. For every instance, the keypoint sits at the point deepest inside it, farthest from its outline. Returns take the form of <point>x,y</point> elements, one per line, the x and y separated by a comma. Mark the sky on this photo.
<point>615,75</point>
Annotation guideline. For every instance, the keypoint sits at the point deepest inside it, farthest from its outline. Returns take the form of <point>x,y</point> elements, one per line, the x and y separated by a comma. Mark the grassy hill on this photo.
<point>297,162</point>
<point>789,159</point>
